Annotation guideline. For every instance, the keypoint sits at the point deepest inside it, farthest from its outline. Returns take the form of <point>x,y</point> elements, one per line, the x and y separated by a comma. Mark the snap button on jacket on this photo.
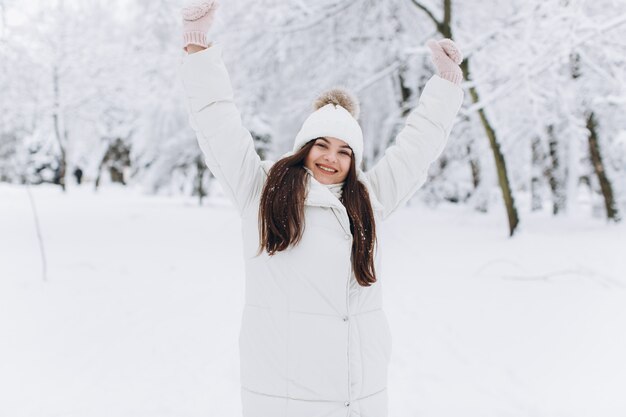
<point>313,342</point>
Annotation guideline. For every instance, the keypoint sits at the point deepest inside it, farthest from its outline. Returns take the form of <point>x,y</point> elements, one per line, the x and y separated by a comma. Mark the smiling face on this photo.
<point>329,160</point>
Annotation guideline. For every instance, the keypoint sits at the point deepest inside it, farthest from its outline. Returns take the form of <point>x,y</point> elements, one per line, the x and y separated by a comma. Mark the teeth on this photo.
<point>326,169</point>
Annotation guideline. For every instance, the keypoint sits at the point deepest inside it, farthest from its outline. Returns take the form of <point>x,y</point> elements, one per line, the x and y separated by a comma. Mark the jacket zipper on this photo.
<point>348,233</point>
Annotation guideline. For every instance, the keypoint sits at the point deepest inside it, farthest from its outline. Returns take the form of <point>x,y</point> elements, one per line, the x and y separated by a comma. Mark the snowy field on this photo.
<point>140,313</point>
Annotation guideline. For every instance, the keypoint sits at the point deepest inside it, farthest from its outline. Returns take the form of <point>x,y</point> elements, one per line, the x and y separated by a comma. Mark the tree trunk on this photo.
<point>503,178</point>
<point>57,129</point>
<point>199,183</point>
<point>475,168</point>
<point>99,175</point>
<point>598,166</point>
<point>445,28</point>
<point>116,159</point>
<point>536,202</point>
<point>556,177</point>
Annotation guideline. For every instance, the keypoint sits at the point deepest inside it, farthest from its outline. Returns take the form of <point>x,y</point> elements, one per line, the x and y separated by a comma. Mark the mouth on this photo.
<point>326,169</point>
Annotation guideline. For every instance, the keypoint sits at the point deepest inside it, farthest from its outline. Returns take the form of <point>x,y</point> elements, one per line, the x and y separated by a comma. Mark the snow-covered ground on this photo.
<point>140,313</point>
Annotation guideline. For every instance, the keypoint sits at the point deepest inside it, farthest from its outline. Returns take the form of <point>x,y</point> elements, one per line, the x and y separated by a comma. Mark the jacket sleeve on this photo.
<point>404,167</point>
<point>227,146</point>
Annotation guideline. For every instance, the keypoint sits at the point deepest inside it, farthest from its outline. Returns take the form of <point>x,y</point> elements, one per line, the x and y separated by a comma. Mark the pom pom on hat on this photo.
<point>335,115</point>
<point>339,96</point>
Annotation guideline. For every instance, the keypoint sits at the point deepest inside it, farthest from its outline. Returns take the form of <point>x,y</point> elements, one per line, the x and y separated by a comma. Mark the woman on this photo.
<point>314,340</point>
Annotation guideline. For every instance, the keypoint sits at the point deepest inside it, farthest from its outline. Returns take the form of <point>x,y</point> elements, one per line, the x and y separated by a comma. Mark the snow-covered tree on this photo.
<point>95,85</point>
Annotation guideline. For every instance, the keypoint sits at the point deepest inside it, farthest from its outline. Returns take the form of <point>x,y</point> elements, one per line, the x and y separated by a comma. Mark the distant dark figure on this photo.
<point>78,174</point>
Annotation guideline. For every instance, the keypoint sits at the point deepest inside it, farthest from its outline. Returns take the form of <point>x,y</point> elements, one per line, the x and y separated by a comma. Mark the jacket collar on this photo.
<point>320,196</point>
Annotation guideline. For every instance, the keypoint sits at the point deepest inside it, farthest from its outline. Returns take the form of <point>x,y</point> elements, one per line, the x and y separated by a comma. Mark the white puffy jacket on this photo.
<point>313,342</point>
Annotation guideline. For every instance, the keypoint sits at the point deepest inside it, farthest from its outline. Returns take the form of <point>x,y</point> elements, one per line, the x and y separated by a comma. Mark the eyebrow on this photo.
<point>342,146</point>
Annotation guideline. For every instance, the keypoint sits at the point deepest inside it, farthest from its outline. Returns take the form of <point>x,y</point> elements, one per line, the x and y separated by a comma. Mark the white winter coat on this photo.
<point>313,342</point>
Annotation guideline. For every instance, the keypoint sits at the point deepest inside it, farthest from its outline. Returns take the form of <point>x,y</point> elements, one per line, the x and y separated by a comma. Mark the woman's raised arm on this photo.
<point>227,146</point>
<point>404,167</point>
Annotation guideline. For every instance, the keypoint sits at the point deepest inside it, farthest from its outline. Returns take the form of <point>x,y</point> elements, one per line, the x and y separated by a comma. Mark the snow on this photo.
<point>140,312</point>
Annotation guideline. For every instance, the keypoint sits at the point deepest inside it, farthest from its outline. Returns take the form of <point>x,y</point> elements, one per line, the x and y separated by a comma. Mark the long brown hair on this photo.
<point>281,212</point>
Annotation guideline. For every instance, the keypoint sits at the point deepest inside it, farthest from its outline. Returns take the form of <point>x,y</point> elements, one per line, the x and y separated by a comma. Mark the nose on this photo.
<point>330,156</point>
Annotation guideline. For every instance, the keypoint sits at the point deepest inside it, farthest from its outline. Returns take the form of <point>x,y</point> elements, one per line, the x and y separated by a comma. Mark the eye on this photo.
<point>346,153</point>
<point>322,144</point>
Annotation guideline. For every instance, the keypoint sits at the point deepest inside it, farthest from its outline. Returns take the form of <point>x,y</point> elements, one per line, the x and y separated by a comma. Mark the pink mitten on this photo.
<point>446,57</point>
<point>197,19</point>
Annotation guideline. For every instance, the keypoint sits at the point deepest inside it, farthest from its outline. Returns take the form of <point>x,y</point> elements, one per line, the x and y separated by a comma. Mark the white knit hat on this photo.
<point>336,113</point>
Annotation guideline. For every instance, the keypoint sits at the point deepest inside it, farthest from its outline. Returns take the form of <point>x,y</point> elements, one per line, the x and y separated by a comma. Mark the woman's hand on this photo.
<point>197,20</point>
<point>446,56</point>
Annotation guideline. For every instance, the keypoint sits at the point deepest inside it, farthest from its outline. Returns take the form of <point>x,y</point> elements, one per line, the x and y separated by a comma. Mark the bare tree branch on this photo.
<point>42,249</point>
<point>540,65</point>
<point>389,69</point>
<point>429,13</point>
<point>323,16</point>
